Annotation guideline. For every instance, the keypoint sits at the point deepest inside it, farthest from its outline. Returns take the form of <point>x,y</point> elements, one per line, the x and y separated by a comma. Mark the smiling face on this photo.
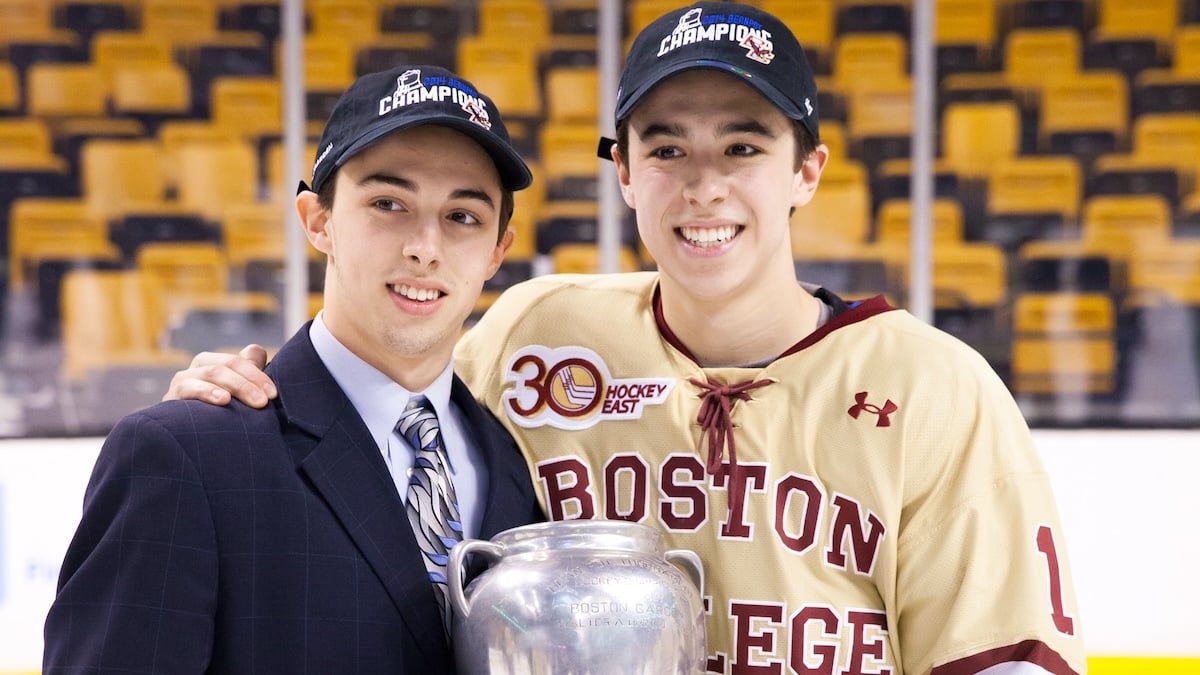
<point>410,239</point>
<point>711,171</point>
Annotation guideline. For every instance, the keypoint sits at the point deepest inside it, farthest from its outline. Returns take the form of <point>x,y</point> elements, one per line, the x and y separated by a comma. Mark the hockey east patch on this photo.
<point>571,388</point>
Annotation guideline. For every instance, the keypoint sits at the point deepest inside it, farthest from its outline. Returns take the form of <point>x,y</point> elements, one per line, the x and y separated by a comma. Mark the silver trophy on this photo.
<point>578,597</point>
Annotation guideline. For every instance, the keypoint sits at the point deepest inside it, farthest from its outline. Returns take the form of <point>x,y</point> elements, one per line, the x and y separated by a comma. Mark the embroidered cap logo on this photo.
<point>412,89</point>
<point>760,48</point>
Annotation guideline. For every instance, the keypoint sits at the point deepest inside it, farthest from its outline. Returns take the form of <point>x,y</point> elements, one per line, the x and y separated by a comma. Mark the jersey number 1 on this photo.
<point>1045,542</point>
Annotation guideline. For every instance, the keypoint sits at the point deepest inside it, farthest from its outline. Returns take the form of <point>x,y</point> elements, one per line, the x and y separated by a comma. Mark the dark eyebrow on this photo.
<point>406,184</point>
<point>746,127</point>
<point>659,129</point>
<point>478,195</point>
<point>740,127</point>
<point>395,181</point>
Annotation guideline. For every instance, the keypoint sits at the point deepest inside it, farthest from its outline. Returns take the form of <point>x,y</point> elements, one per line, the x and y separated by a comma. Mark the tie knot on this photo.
<point>419,424</point>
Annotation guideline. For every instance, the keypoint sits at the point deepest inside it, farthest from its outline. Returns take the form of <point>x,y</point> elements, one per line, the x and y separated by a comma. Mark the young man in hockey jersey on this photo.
<point>862,488</point>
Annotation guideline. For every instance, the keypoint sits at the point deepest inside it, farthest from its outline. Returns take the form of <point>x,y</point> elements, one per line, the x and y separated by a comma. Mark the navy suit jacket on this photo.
<point>233,540</point>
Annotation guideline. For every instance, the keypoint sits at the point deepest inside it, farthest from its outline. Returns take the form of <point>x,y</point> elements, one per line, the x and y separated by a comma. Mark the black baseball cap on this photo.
<point>378,104</point>
<point>731,37</point>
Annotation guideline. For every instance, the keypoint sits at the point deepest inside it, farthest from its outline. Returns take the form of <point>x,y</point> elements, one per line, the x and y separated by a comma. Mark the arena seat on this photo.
<point>894,220</point>
<point>977,135</point>
<point>840,209</point>
<point>1064,343</point>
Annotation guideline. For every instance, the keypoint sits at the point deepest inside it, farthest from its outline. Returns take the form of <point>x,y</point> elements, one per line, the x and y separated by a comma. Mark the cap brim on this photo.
<point>514,174</point>
<point>761,86</point>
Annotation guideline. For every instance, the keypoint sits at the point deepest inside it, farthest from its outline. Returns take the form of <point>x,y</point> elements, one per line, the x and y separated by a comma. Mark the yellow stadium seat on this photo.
<point>1034,56</point>
<point>1121,223</point>
<point>24,19</point>
<point>1169,138</point>
<point>884,109</point>
<point>969,23</point>
<point>213,175</point>
<point>1036,184</point>
<point>1156,19</point>
<point>506,19</point>
<point>1185,61</point>
<point>894,221</point>
<point>22,138</point>
<point>505,68</point>
<point>121,176</point>
<point>112,49</point>
<point>253,231</point>
<point>814,23</point>
<point>357,18</point>
<point>174,135</point>
<point>250,105</point>
<point>66,89</point>
<point>840,210</point>
<point>1092,103</point>
<point>568,157</point>
<point>573,95</point>
<point>868,59</point>
<point>42,229</point>
<point>157,89</point>
<point>185,272</point>
<point>108,316</point>
<point>581,258</point>
<point>184,22</point>
<point>1064,343</point>
<point>328,62</point>
<point>1166,270</point>
<point>969,275</point>
<point>977,135</point>
<point>10,89</point>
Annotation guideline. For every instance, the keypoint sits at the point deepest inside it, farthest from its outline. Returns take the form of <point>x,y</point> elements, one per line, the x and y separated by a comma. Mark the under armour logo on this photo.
<point>860,404</point>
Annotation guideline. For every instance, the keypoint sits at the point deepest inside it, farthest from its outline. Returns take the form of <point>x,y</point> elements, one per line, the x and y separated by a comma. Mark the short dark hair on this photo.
<point>327,192</point>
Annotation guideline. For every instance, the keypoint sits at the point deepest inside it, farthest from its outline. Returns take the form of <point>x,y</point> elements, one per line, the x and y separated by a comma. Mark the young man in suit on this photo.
<point>299,537</point>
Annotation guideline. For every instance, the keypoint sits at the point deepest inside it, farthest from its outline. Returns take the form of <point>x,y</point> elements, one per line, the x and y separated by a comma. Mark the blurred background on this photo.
<point>143,200</point>
<point>145,203</point>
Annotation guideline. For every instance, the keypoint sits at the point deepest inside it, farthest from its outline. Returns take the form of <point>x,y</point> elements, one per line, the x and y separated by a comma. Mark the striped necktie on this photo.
<point>432,504</point>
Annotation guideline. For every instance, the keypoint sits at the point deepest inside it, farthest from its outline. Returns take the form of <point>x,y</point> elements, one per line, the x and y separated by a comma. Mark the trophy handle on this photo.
<point>455,569</point>
<point>690,562</point>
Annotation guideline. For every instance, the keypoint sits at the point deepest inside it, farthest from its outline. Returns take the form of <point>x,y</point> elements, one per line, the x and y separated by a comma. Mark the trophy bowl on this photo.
<point>582,597</point>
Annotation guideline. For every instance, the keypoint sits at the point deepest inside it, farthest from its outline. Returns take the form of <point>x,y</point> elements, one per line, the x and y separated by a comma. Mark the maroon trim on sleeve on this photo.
<point>1030,651</point>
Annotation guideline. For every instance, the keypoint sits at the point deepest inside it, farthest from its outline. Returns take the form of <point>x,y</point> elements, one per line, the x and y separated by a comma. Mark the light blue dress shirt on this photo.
<point>379,401</point>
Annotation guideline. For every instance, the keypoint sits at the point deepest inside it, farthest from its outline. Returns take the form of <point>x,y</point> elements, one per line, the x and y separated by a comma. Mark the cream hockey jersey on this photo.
<point>888,512</point>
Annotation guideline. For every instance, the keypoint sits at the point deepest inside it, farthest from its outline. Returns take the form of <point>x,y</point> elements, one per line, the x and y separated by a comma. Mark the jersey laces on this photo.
<point>716,403</point>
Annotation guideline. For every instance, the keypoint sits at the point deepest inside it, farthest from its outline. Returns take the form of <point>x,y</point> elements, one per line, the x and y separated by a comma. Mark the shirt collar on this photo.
<point>378,399</point>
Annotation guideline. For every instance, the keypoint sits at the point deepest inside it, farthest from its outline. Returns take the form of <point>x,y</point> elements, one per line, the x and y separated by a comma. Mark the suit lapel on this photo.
<point>334,449</point>
<point>508,492</point>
